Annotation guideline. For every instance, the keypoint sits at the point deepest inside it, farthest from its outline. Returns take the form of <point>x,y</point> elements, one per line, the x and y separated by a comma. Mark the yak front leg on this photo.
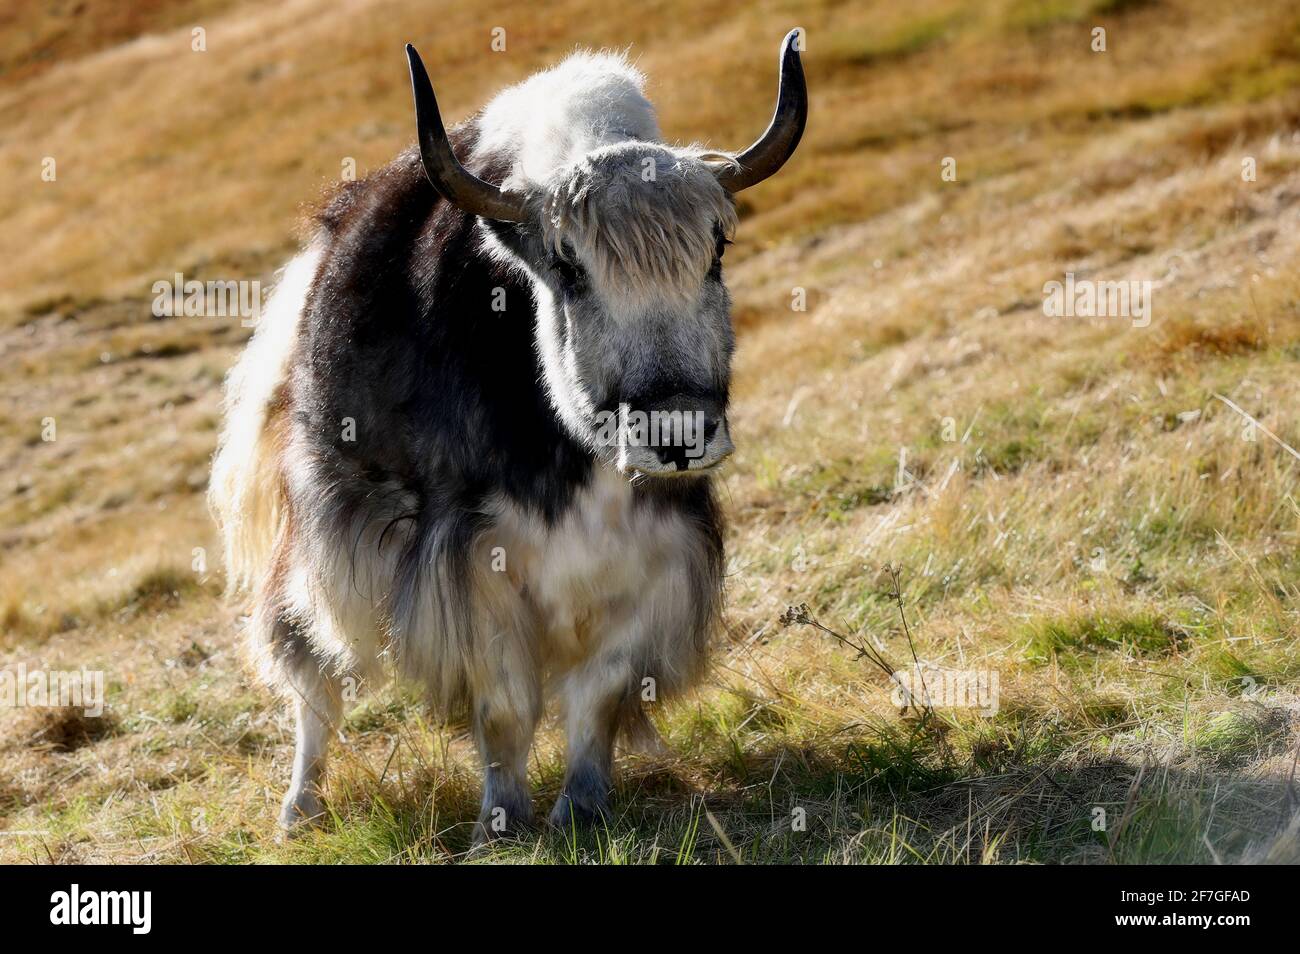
<point>595,698</point>
<point>318,704</point>
<point>507,706</point>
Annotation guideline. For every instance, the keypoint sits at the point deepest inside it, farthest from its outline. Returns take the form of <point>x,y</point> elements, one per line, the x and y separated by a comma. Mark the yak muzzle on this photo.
<point>678,437</point>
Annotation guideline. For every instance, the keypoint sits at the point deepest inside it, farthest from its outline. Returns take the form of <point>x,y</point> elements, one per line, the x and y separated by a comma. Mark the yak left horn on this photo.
<point>775,146</point>
<point>453,181</point>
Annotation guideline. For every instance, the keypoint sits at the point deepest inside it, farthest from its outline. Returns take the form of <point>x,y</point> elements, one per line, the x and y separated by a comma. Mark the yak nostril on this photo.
<point>673,455</point>
<point>679,454</point>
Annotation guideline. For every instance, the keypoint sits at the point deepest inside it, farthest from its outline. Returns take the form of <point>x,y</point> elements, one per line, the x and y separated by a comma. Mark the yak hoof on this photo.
<point>300,812</point>
<point>572,812</point>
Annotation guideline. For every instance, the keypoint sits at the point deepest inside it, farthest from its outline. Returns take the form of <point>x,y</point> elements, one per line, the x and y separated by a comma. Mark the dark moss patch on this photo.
<point>69,729</point>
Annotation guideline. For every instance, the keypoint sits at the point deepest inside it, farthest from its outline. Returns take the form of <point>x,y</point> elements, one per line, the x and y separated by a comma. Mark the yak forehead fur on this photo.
<point>639,214</point>
<point>650,237</point>
<point>560,114</point>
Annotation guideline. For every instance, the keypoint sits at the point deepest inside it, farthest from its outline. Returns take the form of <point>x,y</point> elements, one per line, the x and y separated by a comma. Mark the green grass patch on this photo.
<point>872,44</point>
<point>1139,633</point>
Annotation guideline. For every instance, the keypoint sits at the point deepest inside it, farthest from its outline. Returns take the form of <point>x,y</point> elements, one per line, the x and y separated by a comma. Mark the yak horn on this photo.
<point>453,181</point>
<point>775,146</point>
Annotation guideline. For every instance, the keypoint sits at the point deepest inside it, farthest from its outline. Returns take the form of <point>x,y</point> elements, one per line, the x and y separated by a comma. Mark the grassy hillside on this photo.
<point>1071,503</point>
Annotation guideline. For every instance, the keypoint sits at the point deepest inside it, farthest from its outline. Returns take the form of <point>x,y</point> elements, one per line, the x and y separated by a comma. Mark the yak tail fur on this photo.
<point>246,493</point>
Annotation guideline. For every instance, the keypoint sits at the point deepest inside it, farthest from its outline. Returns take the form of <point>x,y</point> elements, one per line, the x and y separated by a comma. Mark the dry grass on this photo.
<point>1101,532</point>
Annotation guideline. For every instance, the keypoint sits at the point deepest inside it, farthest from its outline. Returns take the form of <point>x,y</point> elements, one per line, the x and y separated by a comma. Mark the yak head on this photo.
<point>623,245</point>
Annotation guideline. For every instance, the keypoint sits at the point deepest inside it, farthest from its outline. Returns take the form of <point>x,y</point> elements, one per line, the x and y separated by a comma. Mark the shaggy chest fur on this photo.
<point>601,573</point>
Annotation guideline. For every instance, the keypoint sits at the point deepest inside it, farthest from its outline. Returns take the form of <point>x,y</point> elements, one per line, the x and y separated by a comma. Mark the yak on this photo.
<point>471,440</point>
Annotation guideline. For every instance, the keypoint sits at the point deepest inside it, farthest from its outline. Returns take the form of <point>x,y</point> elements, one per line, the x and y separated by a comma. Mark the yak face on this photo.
<point>624,252</point>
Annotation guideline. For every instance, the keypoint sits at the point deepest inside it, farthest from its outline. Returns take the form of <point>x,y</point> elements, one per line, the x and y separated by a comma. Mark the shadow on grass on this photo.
<point>893,797</point>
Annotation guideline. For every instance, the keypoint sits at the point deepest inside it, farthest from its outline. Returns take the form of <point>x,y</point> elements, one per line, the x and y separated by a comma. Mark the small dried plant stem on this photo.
<point>801,615</point>
<point>895,575</point>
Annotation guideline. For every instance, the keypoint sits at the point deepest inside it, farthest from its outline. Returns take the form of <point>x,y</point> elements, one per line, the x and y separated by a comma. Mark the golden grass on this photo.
<point>1103,531</point>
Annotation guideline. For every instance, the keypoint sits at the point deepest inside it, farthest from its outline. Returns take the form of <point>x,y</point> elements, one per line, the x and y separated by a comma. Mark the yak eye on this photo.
<point>570,275</point>
<point>715,272</point>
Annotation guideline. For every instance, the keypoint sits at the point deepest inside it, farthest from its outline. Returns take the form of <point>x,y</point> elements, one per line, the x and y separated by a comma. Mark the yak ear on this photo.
<point>518,238</point>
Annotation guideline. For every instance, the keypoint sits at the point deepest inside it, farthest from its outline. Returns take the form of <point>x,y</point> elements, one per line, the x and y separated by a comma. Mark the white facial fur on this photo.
<point>632,312</point>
